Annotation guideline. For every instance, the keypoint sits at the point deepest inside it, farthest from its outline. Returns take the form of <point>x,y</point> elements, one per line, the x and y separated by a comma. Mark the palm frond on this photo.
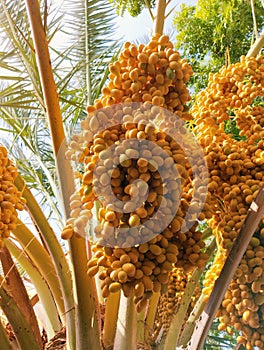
<point>24,132</point>
<point>80,71</point>
<point>17,35</point>
<point>90,27</point>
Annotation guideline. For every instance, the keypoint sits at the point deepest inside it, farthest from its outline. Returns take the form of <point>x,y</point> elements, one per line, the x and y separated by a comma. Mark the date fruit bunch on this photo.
<point>130,145</point>
<point>229,119</point>
<point>10,198</point>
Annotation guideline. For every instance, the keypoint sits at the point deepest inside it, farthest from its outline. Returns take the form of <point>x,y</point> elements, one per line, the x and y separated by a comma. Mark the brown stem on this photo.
<point>19,293</point>
<point>149,10</point>
<point>160,17</point>
<point>21,327</point>
<point>254,216</point>
<point>51,100</point>
<point>87,332</point>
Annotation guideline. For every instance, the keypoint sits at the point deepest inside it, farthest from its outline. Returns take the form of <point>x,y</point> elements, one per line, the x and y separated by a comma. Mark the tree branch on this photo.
<point>253,218</point>
<point>257,46</point>
<point>160,17</point>
<point>254,19</point>
<point>149,10</point>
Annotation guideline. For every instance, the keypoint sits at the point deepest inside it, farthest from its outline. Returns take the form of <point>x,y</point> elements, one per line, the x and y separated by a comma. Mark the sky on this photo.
<point>134,28</point>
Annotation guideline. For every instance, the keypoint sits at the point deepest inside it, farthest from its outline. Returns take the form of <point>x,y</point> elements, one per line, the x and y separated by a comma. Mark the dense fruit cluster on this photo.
<point>243,305</point>
<point>170,301</point>
<point>147,213</point>
<point>134,252</point>
<point>229,121</point>
<point>235,165</point>
<point>10,197</point>
<point>213,272</point>
<point>154,73</point>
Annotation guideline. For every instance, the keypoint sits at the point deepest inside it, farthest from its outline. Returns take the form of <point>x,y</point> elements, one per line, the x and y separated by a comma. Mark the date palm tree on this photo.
<point>54,61</point>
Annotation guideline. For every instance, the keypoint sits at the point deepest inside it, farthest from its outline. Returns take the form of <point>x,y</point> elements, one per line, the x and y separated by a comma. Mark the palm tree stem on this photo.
<point>252,220</point>
<point>19,292</point>
<point>87,332</point>
<point>87,58</point>
<point>110,319</point>
<point>126,335</point>
<point>56,253</point>
<point>160,17</point>
<point>191,322</point>
<point>46,297</point>
<point>5,344</point>
<point>41,259</point>
<point>87,316</point>
<point>22,329</point>
<point>52,104</point>
<point>58,257</point>
<point>254,18</point>
<point>177,322</point>
<point>141,316</point>
<point>152,310</point>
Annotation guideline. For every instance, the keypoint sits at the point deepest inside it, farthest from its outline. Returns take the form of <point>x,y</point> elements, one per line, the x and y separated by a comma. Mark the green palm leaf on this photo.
<point>90,27</point>
<point>79,67</point>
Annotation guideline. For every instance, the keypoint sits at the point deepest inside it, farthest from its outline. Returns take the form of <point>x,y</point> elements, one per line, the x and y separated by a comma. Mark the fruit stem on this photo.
<point>160,17</point>
<point>254,216</point>
<point>177,322</point>
<point>110,319</point>
<point>152,310</point>
<point>126,335</point>
<point>22,329</point>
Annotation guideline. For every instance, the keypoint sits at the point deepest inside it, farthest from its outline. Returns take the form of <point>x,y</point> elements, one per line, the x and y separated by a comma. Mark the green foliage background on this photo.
<point>215,33</point>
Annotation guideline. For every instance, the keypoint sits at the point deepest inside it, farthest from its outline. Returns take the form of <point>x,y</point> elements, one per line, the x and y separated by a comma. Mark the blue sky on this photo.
<point>134,28</point>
